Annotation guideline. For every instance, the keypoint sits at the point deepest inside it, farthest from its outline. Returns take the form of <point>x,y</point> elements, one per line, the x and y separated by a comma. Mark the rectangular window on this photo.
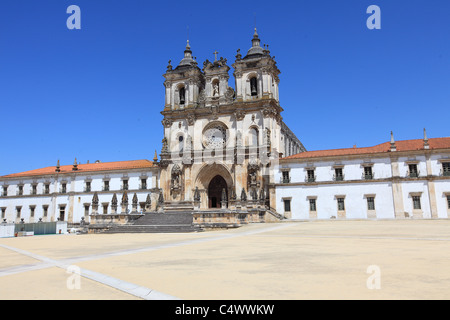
<point>310,175</point>
<point>446,169</point>
<point>86,209</point>
<point>312,205</point>
<point>20,192</point>
<point>18,211</point>
<point>416,203</point>
<point>62,212</point>
<point>413,172</point>
<point>341,205</point>
<point>45,209</point>
<point>287,205</point>
<point>338,174</point>
<point>106,185</point>
<point>286,178</point>
<point>368,173</point>
<point>47,188</point>
<point>143,184</point>
<point>5,191</point>
<point>105,208</point>
<point>88,186</point>
<point>32,209</point>
<point>448,202</point>
<point>63,188</point>
<point>3,212</point>
<point>370,203</point>
<point>125,185</point>
<point>34,189</point>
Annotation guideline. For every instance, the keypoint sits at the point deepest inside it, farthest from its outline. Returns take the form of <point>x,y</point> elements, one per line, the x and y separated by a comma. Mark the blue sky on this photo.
<point>97,93</point>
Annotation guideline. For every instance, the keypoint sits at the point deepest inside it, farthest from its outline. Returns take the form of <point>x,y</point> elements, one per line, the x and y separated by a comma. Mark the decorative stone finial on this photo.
<point>75,165</point>
<point>238,55</point>
<point>95,199</point>
<point>393,147</point>
<point>425,139</point>
<point>243,195</point>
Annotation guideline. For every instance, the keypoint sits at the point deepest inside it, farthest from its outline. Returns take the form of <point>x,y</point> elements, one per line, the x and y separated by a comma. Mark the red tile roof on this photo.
<point>404,145</point>
<point>89,167</point>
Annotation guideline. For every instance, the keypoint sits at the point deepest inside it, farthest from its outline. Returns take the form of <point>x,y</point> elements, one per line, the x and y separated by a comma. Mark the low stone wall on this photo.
<point>119,218</point>
<point>230,218</point>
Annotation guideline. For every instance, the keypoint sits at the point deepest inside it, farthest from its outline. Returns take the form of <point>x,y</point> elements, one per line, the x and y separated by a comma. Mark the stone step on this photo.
<point>153,229</point>
<point>180,218</point>
<point>158,223</point>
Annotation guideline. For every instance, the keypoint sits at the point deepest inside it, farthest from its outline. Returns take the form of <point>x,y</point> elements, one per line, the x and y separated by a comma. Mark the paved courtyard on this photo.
<point>404,259</point>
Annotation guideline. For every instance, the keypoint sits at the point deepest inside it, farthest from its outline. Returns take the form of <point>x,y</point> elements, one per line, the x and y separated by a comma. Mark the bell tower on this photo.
<point>256,74</point>
<point>184,83</point>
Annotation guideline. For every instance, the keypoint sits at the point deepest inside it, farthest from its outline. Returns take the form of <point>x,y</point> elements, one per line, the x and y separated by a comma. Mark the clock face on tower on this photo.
<point>215,136</point>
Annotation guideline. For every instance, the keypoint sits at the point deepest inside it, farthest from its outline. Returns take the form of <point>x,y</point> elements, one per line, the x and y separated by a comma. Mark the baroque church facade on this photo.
<point>228,158</point>
<point>220,143</point>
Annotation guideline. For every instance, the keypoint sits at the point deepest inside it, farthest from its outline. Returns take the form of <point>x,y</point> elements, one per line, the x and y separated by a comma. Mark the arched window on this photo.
<point>182,95</point>
<point>253,86</point>
<point>253,139</point>
<point>180,143</point>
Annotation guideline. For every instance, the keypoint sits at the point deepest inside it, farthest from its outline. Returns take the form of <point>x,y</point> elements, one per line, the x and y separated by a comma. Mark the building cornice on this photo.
<point>74,174</point>
<point>364,156</point>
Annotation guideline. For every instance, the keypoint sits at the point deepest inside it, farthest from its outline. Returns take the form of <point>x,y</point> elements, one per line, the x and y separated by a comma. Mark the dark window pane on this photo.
<point>312,204</point>
<point>287,205</point>
<point>416,202</point>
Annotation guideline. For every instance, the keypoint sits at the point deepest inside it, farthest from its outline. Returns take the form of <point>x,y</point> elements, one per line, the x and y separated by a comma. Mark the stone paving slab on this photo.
<point>290,261</point>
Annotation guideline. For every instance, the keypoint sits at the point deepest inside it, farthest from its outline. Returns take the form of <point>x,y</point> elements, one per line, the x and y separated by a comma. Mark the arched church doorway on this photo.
<point>216,185</point>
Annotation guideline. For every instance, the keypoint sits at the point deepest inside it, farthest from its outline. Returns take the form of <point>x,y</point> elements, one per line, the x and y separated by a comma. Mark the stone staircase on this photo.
<point>158,223</point>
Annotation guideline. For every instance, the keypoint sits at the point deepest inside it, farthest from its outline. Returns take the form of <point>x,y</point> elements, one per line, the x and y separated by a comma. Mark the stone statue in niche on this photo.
<point>239,138</point>
<point>215,89</point>
<point>253,178</point>
<point>252,170</point>
<point>196,194</point>
<point>175,181</point>
<point>176,177</point>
